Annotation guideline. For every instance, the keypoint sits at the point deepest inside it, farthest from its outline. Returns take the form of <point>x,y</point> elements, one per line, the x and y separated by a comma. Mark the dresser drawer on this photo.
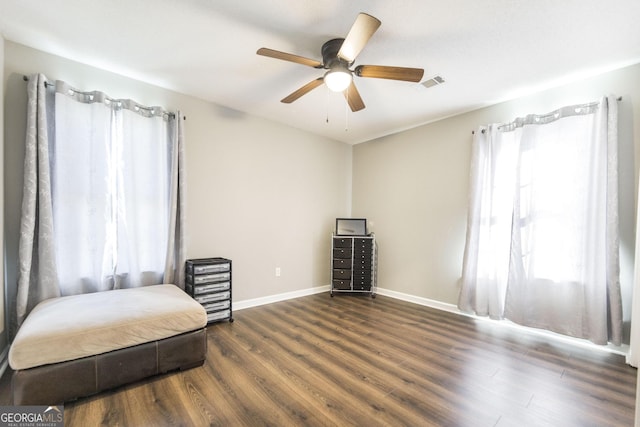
<point>342,274</point>
<point>211,268</point>
<point>362,254</point>
<point>217,306</point>
<point>218,315</point>
<point>343,285</point>
<point>342,263</point>
<point>209,278</point>
<point>362,243</point>
<point>362,261</point>
<point>361,268</point>
<point>211,287</point>
<point>342,253</point>
<point>361,286</point>
<point>339,242</point>
<point>364,276</point>
<point>217,296</point>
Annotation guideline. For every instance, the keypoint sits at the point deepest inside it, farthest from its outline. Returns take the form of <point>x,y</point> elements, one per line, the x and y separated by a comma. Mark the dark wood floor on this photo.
<point>353,360</point>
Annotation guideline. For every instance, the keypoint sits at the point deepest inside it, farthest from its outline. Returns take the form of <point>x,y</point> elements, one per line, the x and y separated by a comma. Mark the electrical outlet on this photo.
<point>277,271</point>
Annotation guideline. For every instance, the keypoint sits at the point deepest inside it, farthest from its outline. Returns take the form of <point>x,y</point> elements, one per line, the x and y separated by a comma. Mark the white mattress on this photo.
<point>77,326</point>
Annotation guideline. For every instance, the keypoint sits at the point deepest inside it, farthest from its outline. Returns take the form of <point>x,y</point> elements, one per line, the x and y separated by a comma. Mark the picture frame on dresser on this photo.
<point>351,227</point>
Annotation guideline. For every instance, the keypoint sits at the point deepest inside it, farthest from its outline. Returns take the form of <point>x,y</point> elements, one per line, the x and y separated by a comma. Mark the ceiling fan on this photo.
<point>340,54</point>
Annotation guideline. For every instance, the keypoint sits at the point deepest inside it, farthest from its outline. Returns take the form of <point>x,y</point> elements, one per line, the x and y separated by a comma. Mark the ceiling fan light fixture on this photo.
<point>338,79</point>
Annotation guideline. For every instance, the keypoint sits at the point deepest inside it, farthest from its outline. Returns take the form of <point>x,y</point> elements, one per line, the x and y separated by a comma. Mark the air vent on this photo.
<point>433,81</point>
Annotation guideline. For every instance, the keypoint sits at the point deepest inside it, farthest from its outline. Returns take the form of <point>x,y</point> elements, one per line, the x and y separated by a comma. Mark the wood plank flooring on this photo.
<point>357,361</point>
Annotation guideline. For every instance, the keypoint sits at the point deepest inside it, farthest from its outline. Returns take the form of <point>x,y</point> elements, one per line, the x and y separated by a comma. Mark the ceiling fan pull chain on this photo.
<point>327,107</point>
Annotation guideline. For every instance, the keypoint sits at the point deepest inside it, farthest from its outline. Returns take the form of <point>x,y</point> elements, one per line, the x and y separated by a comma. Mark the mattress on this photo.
<point>73,327</point>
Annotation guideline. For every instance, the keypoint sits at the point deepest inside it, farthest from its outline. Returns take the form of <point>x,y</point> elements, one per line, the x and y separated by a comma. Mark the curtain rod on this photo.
<point>473,132</point>
<point>26,79</point>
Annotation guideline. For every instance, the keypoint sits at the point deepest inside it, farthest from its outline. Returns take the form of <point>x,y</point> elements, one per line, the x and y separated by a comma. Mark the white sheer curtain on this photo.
<point>542,242</point>
<point>114,192</point>
<point>486,258</point>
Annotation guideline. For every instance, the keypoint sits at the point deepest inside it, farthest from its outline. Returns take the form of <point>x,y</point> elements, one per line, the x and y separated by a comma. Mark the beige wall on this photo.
<point>413,186</point>
<point>260,193</point>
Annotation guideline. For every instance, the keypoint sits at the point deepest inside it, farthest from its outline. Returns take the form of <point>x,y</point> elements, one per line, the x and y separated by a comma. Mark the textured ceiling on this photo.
<point>487,51</point>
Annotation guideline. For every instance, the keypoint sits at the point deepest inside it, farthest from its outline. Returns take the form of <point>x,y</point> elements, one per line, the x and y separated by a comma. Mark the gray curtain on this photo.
<point>176,247</point>
<point>103,198</point>
<point>37,275</point>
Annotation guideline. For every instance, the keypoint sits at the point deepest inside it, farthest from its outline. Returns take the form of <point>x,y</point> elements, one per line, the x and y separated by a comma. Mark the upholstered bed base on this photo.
<point>60,382</point>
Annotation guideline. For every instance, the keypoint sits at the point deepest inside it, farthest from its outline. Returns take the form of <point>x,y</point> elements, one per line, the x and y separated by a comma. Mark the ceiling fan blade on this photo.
<point>392,73</point>
<point>359,34</point>
<point>289,57</point>
<point>352,96</point>
<point>303,90</point>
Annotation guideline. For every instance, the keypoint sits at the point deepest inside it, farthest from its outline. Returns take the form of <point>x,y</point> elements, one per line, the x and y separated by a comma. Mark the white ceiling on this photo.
<point>487,51</point>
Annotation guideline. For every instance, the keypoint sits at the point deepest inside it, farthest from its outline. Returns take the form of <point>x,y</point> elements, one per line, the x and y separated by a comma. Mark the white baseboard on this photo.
<point>255,302</point>
<point>621,350</point>
<point>420,300</point>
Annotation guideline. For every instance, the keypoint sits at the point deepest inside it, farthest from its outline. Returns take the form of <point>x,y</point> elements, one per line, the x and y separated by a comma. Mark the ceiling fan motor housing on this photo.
<point>330,54</point>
